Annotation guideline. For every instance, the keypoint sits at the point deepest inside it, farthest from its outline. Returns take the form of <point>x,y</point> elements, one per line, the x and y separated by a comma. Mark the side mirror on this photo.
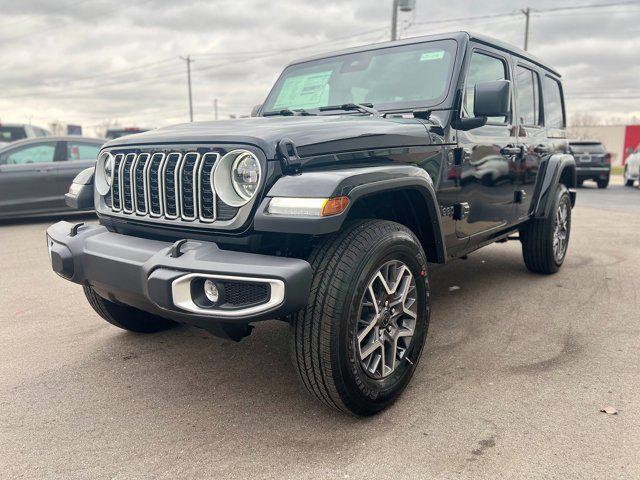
<point>255,110</point>
<point>492,99</point>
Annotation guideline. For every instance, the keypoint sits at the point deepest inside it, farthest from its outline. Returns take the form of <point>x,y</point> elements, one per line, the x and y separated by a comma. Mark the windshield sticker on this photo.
<point>303,91</point>
<point>437,55</point>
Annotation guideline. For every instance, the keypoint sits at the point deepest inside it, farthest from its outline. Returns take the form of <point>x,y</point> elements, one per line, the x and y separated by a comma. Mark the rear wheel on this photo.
<point>126,317</point>
<point>357,343</point>
<point>603,183</point>
<point>545,240</point>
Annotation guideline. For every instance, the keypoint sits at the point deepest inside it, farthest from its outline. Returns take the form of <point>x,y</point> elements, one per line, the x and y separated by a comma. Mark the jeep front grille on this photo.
<point>174,185</point>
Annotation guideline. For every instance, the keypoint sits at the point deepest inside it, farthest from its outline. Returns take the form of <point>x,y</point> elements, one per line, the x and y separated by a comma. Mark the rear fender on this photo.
<point>558,168</point>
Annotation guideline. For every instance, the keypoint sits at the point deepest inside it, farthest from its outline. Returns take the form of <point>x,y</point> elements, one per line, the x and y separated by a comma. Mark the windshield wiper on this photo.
<point>286,112</point>
<point>360,107</point>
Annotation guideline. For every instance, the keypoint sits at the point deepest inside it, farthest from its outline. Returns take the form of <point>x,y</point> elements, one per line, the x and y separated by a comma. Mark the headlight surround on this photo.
<point>236,177</point>
<point>104,173</point>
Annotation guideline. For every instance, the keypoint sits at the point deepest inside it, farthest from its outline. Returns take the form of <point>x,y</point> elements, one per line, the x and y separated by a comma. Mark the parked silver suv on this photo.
<point>10,132</point>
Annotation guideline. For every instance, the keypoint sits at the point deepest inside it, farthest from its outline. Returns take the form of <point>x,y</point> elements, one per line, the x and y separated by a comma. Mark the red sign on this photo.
<point>631,140</point>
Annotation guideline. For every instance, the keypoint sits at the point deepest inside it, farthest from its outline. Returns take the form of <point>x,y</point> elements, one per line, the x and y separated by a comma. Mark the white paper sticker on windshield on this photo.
<point>303,91</point>
<point>437,55</point>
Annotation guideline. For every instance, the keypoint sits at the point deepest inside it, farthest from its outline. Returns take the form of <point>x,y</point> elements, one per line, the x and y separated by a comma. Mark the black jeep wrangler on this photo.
<point>325,209</point>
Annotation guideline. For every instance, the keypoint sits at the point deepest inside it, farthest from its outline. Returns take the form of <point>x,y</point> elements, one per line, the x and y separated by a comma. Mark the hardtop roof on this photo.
<point>459,36</point>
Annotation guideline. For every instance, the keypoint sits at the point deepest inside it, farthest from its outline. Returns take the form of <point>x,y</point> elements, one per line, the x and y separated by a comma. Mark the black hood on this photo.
<point>312,135</point>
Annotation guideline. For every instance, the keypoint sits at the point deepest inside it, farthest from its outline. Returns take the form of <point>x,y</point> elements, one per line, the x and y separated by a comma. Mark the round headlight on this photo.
<point>245,175</point>
<point>104,173</point>
<point>236,177</point>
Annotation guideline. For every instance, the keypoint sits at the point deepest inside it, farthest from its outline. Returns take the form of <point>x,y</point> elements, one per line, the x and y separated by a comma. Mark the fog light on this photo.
<point>211,291</point>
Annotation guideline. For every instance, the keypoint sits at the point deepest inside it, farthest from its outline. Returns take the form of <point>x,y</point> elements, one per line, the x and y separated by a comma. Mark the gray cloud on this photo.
<point>87,61</point>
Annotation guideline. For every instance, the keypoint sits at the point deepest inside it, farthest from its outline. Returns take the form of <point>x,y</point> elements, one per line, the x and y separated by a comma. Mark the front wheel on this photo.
<point>357,343</point>
<point>628,182</point>
<point>545,240</point>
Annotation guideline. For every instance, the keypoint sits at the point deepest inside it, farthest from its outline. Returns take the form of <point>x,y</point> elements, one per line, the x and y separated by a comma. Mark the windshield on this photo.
<point>11,134</point>
<point>406,76</point>
<point>587,148</point>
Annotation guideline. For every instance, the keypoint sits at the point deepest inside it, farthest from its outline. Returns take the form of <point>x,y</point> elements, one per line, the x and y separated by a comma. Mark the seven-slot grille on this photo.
<point>167,185</point>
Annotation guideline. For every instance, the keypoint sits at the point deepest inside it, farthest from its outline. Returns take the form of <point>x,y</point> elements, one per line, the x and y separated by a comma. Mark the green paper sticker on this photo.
<point>437,55</point>
<point>303,91</point>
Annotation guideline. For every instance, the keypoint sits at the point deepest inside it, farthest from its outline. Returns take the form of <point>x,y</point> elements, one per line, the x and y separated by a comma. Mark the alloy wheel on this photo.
<point>387,319</point>
<point>561,231</point>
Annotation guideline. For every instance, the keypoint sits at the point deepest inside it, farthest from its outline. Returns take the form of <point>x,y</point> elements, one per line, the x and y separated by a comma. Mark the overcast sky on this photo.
<point>88,61</point>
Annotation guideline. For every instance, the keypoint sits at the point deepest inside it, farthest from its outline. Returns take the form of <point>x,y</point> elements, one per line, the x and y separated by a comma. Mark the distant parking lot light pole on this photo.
<point>403,6</point>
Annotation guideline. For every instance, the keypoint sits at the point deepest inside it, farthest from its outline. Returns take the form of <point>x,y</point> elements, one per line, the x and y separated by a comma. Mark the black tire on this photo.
<point>325,348</point>
<point>628,182</point>
<point>603,183</point>
<point>126,317</point>
<point>537,237</point>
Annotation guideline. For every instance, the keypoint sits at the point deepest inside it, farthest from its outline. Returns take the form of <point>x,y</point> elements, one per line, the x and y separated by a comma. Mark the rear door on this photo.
<point>28,179</point>
<point>77,155</point>
<point>532,135</point>
<point>486,174</point>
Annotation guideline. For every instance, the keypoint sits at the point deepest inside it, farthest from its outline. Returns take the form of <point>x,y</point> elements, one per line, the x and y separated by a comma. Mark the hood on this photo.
<point>312,135</point>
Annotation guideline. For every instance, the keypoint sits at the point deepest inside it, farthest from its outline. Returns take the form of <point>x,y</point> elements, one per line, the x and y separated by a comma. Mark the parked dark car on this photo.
<point>593,162</point>
<point>10,132</point>
<point>35,174</point>
<point>324,211</point>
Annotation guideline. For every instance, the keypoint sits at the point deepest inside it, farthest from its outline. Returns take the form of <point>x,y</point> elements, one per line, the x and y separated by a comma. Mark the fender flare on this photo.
<point>355,183</point>
<point>551,171</point>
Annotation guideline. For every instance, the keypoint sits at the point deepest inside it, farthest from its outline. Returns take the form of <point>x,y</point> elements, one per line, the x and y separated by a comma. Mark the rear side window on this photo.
<point>528,96</point>
<point>82,151</point>
<point>483,68</point>
<point>553,109</point>
<point>41,153</point>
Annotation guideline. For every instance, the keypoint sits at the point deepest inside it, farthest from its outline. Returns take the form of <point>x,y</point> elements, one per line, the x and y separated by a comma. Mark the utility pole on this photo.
<point>188,60</point>
<point>215,108</point>
<point>394,21</point>
<point>527,15</point>
<point>403,6</point>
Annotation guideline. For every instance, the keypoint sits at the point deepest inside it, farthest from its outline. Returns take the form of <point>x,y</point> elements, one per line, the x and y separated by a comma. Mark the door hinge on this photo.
<point>461,211</point>
<point>519,196</point>
<point>459,154</point>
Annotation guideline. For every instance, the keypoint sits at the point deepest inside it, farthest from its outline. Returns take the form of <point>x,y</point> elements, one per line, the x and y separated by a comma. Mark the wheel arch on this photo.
<point>403,193</point>
<point>557,169</point>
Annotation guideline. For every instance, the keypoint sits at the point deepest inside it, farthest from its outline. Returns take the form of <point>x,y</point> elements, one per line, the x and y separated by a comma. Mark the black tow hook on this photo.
<point>176,248</point>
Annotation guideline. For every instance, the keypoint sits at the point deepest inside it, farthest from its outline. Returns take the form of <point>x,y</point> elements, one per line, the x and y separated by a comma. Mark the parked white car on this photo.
<point>632,168</point>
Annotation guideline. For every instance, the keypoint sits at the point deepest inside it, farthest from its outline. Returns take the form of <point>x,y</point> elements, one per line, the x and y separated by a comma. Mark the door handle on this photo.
<point>541,149</point>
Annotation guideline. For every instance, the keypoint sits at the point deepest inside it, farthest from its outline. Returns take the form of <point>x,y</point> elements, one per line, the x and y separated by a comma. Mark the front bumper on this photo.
<point>155,276</point>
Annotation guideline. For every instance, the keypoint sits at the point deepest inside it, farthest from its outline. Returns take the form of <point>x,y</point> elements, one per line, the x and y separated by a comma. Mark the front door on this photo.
<point>28,180</point>
<point>487,170</point>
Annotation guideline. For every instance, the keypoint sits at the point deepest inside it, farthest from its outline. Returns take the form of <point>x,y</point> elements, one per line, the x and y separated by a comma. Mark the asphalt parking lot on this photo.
<point>516,369</point>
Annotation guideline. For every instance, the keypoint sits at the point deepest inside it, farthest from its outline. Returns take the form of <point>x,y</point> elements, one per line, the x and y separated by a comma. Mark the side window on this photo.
<point>528,96</point>
<point>41,153</point>
<point>553,110</point>
<point>483,68</point>
<point>82,151</point>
